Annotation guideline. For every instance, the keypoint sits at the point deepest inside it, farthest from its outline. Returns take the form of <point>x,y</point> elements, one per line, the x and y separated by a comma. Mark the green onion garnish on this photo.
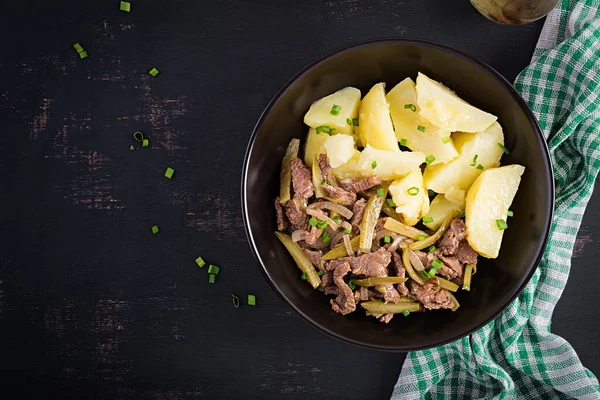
<point>432,249</point>
<point>125,6</point>
<point>303,276</point>
<point>324,129</point>
<point>380,192</point>
<point>421,237</point>
<point>200,262</point>
<point>139,136</point>
<point>390,202</point>
<point>169,172</point>
<point>436,264</point>
<point>427,220</point>
<point>411,107</point>
<point>348,231</point>
<point>155,229</point>
<point>153,72</point>
<point>321,273</point>
<point>413,191</point>
<point>355,121</point>
<point>212,278</point>
<point>429,159</point>
<point>510,213</point>
<point>349,121</point>
<point>474,163</point>
<point>335,110</point>
<point>78,47</point>
<point>326,182</point>
<point>504,149</point>
<point>403,142</point>
<point>326,238</point>
<point>374,165</point>
<point>405,313</point>
<point>251,300</point>
<point>446,139</point>
<point>336,219</point>
<point>480,167</point>
<point>321,224</point>
<point>213,269</point>
<point>421,128</point>
<point>351,284</point>
<point>462,214</point>
<point>235,300</point>
<point>83,54</point>
<point>387,239</point>
<point>501,224</point>
<point>145,143</point>
<point>313,221</point>
<point>131,147</point>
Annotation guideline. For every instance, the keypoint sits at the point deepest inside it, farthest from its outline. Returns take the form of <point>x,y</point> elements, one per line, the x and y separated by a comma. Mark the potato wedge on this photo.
<point>488,201</point>
<point>375,124</point>
<point>405,115</point>
<point>463,170</point>
<point>315,143</point>
<point>443,108</point>
<point>439,210</point>
<point>388,165</point>
<point>410,197</point>
<point>320,112</point>
<point>340,149</point>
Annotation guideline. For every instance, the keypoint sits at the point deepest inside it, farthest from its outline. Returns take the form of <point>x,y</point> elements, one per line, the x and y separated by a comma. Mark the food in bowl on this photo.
<point>395,197</point>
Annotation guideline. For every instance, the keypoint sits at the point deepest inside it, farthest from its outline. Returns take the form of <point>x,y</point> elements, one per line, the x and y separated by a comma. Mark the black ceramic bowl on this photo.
<point>497,282</point>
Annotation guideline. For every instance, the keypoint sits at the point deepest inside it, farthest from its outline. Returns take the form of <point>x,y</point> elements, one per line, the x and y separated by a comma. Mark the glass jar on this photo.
<point>514,11</point>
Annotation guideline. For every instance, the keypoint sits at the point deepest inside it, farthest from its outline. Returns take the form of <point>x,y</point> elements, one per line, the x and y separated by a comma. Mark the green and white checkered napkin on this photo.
<point>516,356</point>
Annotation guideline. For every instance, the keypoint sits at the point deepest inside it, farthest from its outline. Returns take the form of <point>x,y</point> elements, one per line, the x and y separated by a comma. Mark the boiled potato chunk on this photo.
<point>439,210</point>
<point>432,140</point>
<point>410,197</point>
<point>447,111</point>
<point>488,200</point>
<point>375,124</point>
<point>460,173</point>
<point>315,144</point>
<point>319,113</point>
<point>388,165</point>
<point>456,197</point>
<point>340,149</point>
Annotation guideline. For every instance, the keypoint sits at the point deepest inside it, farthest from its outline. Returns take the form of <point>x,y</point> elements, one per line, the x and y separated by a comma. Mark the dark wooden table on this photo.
<point>92,305</point>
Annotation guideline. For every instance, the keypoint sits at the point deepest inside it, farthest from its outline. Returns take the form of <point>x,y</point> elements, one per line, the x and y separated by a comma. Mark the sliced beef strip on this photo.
<point>363,293</point>
<point>344,303</point>
<point>452,267</point>
<point>386,318</point>
<point>325,168</point>
<point>431,297</point>
<point>401,272</point>
<point>315,258</point>
<point>295,211</point>
<point>310,237</point>
<point>448,244</point>
<point>356,185</point>
<point>301,179</point>
<point>337,194</point>
<point>371,264</point>
<point>426,258</point>
<point>358,210</point>
<point>282,222</point>
<point>465,253</point>
<point>390,295</point>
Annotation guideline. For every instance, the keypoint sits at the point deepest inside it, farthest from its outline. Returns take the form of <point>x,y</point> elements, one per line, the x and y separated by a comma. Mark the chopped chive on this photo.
<point>374,165</point>
<point>474,163</point>
<point>432,249</point>
<point>125,6</point>
<point>436,264</point>
<point>390,202</point>
<point>351,284</point>
<point>155,229</point>
<point>78,47</point>
<point>421,238</point>
<point>321,273</point>
<point>387,239</point>
<point>501,224</point>
<point>421,128</point>
<point>200,261</point>
<point>349,121</point>
<point>303,276</point>
<point>169,172</point>
<point>480,167</point>
<point>380,192</point>
<point>213,269</point>
<point>336,219</point>
<point>235,300</point>
<point>510,213</point>
<point>462,214</point>
<point>355,121</point>
<point>153,72</point>
<point>403,142</point>
<point>132,147</point>
<point>326,182</point>
<point>212,278</point>
<point>83,54</point>
<point>411,107</point>
<point>413,191</point>
<point>326,238</point>
<point>313,221</point>
<point>321,224</point>
<point>139,136</point>
<point>504,149</point>
<point>348,231</point>
<point>331,130</point>
<point>251,300</point>
<point>430,159</point>
<point>335,110</point>
<point>323,128</point>
<point>427,220</point>
<point>145,143</point>
<point>406,313</point>
<point>446,139</point>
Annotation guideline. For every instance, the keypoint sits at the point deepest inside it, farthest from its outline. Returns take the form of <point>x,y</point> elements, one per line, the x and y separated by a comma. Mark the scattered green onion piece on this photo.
<point>390,202</point>
<point>212,278</point>
<point>403,142</point>
<point>303,276</point>
<point>213,269</point>
<point>348,231</point>
<point>326,182</point>
<point>421,237</point>
<point>374,165</point>
<point>251,300</point>
<point>235,300</point>
<point>139,136</point>
<point>326,238</point>
<point>501,224</point>
<point>446,139</point>
<point>331,130</point>
<point>169,172</point>
<point>321,224</point>
<point>323,128</point>
<point>355,121</point>
<point>336,219</point>
<point>132,147</point>
<point>480,167</point>
<point>463,213</point>
<point>432,249</point>
<point>474,163</point>
<point>421,128</point>
<point>430,159</point>
<point>200,261</point>
<point>351,284</point>
<point>427,220</point>
<point>349,121</point>
<point>504,149</point>
<point>411,107</point>
<point>387,239</point>
<point>83,54</point>
<point>320,273</point>
<point>380,192</point>
<point>155,229</point>
<point>78,47</point>
<point>313,221</point>
<point>413,191</point>
<point>335,110</point>
<point>125,6</point>
<point>405,313</point>
<point>145,143</point>
<point>436,264</point>
<point>153,72</point>
<point>510,213</point>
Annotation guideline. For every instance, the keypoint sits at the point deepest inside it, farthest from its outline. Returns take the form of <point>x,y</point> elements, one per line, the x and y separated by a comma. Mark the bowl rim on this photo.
<point>530,116</point>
